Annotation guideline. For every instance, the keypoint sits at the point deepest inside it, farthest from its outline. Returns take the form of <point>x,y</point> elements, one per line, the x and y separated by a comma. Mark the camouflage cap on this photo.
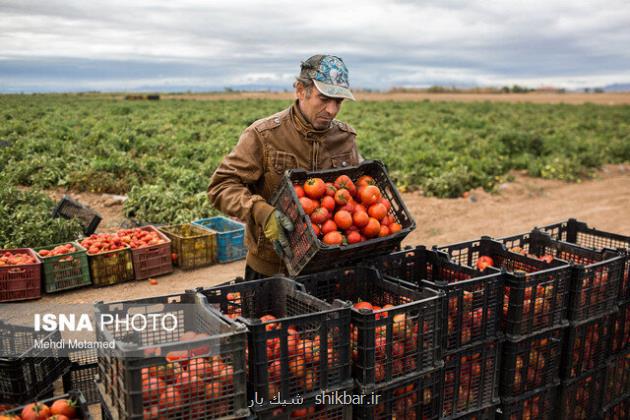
<point>329,74</point>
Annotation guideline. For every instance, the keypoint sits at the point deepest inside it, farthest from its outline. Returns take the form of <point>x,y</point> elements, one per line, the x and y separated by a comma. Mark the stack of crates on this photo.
<point>396,345</point>
<point>615,400</point>
<point>298,346</point>
<point>470,336</point>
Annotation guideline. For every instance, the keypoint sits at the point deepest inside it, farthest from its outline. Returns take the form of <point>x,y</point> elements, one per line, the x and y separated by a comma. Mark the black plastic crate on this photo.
<point>83,369</point>
<point>27,371</point>
<point>472,296</point>
<point>617,411</point>
<point>534,292</point>
<point>580,398</point>
<point>471,380</point>
<point>620,329</point>
<point>390,342</point>
<point>595,275</point>
<point>309,254</point>
<point>192,369</point>
<point>303,349</point>
<point>585,346</point>
<point>82,413</point>
<point>535,404</point>
<point>617,379</point>
<point>324,406</point>
<point>416,396</point>
<point>581,234</point>
<point>487,413</point>
<point>69,208</point>
<point>531,363</point>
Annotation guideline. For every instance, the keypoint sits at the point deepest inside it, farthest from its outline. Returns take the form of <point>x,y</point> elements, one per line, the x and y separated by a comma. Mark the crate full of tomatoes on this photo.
<point>298,345</point>
<point>620,329</point>
<point>340,215</point>
<point>586,346</point>
<point>20,275</point>
<point>472,296</point>
<point>535,404</point>
<point>535,289</point>
<point>68,406</point>
<point>581,397</point>
<point>109,259</point>
<point>595,275</point>
<point>581,234</point>
<point>150,251</point>
<point>395,329</point>
<point>65,266</point>
<point>188,363</point>
<point>617,379</point>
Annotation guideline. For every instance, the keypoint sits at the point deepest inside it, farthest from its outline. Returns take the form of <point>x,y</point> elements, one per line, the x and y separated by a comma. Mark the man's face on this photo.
<point>318,109</point>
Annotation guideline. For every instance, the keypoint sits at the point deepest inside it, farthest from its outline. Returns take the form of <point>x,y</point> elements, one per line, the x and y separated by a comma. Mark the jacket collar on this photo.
<point>303,126</point>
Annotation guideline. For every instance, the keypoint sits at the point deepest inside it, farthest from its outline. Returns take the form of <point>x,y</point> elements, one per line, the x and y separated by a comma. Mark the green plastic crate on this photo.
<point>62,273</point>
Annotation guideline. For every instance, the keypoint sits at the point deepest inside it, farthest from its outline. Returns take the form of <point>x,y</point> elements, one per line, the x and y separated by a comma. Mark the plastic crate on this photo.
<point>321,407</point>
<point>535,404</point>
<point>67,271</point>
<point>309,254</point>
<point>617,411</point>
<point>416,396</point>
<point>166,356</point>
<point>193,246</point>
<point>581,234</point>
<point>471,379</point>
<point>620,329</point>
<point>487,413</point>
<point>20,282</point>
<point>595,275</point>
<point>285,354</point>
<point>580,398</point>
<point>83,369</point>
<point>585,346</point>
<point>386,344</point>
<point>230,237</point>
<point>534,292</point>
<point>472,296</point>
<point>111,267</point>
<point>82,412</point>
<point>68,209</point>
<point>152,260</point>
<point>27,371</point>
<point>617,379</point>
<point>531,363</point>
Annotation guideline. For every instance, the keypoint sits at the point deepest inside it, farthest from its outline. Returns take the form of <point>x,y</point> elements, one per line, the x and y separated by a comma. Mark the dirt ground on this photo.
<point>518,206</point>
<point>532,97</point>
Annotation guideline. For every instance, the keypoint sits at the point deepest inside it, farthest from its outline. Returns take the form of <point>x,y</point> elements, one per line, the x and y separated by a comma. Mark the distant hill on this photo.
<point>618,87</point>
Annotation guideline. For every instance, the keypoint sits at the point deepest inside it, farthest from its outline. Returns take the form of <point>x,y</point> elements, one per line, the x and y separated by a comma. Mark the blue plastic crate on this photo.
<point>230,237</point>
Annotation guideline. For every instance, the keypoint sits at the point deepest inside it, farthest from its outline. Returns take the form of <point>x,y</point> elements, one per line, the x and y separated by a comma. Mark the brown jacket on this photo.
<point>246,179</point>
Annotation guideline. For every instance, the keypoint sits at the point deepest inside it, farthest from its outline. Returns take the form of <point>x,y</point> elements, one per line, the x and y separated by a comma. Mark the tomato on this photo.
<point>484,261</point>
<point>272,325</point>
<point>35,411</point>
<point>372,229</point>
<point>344,181</point>
<point>330,189</point>
<point>360,218</point>
<point>152,387</point>
<point>189,386</point>
<point>343,219</point>
<point>299,191</point>
<point>200,367</point>
<point>363,305</point>
<point>354,237</point>
<point>153,282</point>
<point>365,180</point>
<point>320,215</point>
<point>297,365</point>
<point>333,238</point>
<point>316,229</point>
<point>293,338</point>
<point>315,188</point>
<point>370,194</point>
<point>173,257</point>
<point>170,399</point>
<point>64,407</point>
<point>343,197</point>
<point>395,227</point>
<point>547,258</point>
<point>329,226</point>
<point>328,203</point>
<point>308,205</point>
<point>384,231</point>
<point>377,211</point>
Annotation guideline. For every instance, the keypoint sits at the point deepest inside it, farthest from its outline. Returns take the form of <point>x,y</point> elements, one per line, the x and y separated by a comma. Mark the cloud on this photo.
<point>385,43</point>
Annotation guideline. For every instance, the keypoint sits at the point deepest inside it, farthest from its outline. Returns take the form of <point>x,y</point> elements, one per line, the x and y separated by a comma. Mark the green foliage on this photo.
<point>26,222</point>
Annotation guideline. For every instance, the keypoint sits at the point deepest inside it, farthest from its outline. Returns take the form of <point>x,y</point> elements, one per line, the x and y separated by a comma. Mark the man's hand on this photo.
<point>275,229</point>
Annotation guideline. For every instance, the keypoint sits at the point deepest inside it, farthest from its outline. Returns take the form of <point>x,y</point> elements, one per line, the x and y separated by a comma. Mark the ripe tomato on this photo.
<point>315,188</point>
<point>153,282</point>
<point>200,367</point>
<point>330,189</point>
<point>384,231</point>
<point>360,218</point>
<point>342,197</point>
<point>299,191</point>
<point>152,387</point>
<point>35,411</point>
<point>370,194</point>
<point>333,238</point>
<point>297,365</point>
<point>55,417</point>
<point>372,229</point>
<point>328,203</point>
<point>329,226</point>
<point>484,261</point>
<point>170,399</point>
<point>343,219</point>
<point>344,181</point>
<point>395,227</point>
<point>365,180</point>
<point>354,237</point>
<point>363,305</point>
<point>320,215</point>
<point>377,211</point>
<point>308,205</point>
<point>271,326</point>
<point>316,229</point>
<point>64,407</point>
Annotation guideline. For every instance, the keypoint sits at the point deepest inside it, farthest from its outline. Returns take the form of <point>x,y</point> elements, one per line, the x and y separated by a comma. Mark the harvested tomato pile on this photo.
<point>138,238</point>
<point>102,242</point>
<point>344,213</point>
<point>10,258</point>
<point>58,250</point>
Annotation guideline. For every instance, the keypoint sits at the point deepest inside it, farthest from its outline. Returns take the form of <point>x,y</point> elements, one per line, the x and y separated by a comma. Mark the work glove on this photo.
<point>275,229</point>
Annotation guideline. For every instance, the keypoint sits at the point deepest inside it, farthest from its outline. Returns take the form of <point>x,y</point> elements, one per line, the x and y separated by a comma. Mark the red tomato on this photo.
<point>484,261</point>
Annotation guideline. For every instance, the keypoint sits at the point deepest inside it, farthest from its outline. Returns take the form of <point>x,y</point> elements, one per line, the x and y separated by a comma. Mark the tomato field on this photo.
<point>162,153</point>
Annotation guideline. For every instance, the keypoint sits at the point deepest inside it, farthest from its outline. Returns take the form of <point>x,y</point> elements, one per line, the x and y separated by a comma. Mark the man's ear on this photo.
<point>300,92</point>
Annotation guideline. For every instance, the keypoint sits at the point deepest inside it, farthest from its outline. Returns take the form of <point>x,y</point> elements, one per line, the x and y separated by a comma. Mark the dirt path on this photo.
<point>603,202</point>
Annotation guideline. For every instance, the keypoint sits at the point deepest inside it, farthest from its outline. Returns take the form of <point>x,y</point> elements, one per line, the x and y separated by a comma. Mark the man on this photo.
<point>305,135</point>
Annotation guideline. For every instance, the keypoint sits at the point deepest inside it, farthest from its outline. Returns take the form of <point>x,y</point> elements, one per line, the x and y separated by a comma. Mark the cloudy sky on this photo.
<point>116,45</point>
